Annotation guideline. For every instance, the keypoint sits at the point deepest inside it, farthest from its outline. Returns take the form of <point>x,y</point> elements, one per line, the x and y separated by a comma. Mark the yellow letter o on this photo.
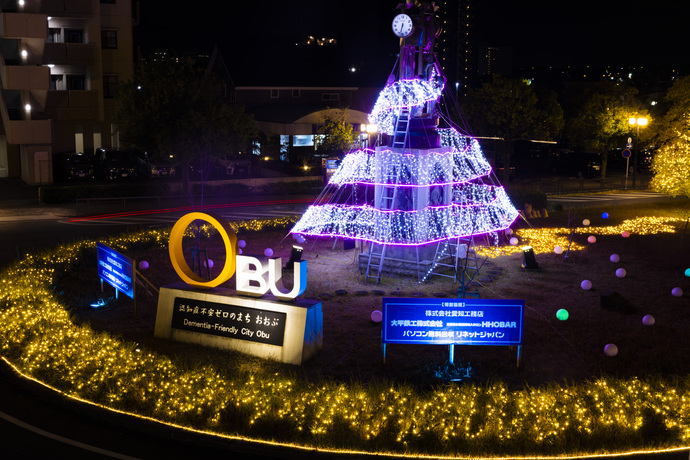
<point>177,253</point>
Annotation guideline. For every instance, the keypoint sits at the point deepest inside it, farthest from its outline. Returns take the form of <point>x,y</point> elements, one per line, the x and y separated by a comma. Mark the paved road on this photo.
<point>605,199</point>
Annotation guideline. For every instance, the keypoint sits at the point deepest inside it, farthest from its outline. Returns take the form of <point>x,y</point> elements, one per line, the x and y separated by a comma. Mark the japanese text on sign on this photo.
<point>229,321</point>
<point>115,269</point>
<point>439,321</point>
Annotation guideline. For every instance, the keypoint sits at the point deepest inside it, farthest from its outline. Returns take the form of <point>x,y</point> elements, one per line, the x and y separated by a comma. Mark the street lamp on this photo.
<point>637,122</point>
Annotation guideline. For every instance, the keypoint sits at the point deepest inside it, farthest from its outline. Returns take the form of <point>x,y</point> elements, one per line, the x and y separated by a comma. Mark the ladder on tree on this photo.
<point>389,195</point>
<point>456,254</point>
<point>402,129</point>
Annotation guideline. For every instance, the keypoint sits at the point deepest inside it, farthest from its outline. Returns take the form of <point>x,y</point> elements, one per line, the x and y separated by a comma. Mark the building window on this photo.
<point>275,93</point>
<point>295,93</point>
<point>330,96</point>
<point>110,86</point>
<point>54,35</point>
<point>109,39</point>
<point>56,82</point>
<point>76,82</point>
<point>74,35</point>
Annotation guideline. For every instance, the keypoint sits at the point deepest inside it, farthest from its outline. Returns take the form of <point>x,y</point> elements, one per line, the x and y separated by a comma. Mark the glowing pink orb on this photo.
<point>625,234</point>
<point>514,241</point>
<point>376,316</point>
<point>558,250</point>
<point>592,239</point>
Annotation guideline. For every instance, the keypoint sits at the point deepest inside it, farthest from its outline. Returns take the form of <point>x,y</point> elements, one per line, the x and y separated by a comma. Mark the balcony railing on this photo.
<point>69,53</point>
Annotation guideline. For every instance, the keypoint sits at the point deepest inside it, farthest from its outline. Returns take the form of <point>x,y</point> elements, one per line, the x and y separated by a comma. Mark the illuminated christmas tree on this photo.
<point>426,186</point>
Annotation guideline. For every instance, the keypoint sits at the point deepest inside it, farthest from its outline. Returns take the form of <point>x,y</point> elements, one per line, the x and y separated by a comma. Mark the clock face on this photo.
<point>402,25</point>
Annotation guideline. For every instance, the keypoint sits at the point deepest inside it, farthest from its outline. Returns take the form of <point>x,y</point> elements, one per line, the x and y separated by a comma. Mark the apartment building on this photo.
<point>60,63</point>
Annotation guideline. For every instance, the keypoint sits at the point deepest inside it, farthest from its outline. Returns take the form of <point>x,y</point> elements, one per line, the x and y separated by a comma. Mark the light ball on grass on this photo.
<point>268,252</point>
<point>611,350</point>
<point>621,273</point>
<point>143,265</point>
<point>592,239</point>
<point>604,215</point>
<point>558,250</point>
<point>514,241</point>
<point>625,233</point>
<point>585,222</point>
<point>677,292</point>
<point>615,258</point>
<point>242,243</point>
<point>586,285</point>
<point>376,316</point>
<point>562,314</point>
<point>648,320</point>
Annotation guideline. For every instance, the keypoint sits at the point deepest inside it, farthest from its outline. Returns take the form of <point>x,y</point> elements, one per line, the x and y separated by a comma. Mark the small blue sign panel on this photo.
<point>453,321</point>
<point>115,269</point>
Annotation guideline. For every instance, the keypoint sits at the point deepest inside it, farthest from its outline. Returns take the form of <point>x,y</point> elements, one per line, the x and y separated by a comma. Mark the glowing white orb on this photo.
<point>558,250</point>
<point>268,252</point>
<point>615,258</point>
<point>677,292</point>
<point>625,234</point>
<point>621,273</point>
<point>143,265</point>
<point>242,243</point>
<point>611,350</point>
<point>592,239</point>
<point>586,285</point>
<point>585,222</point>
<point>514,241</point>
<point>648,320</point>
<point>376,316</point>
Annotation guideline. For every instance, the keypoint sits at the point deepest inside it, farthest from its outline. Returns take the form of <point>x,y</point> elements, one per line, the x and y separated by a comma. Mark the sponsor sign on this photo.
<point>227,320</point>
<point>453,321</point>
<point>116,269</point>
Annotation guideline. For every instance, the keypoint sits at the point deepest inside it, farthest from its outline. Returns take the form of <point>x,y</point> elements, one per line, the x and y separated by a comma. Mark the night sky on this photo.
<point>541,32</point>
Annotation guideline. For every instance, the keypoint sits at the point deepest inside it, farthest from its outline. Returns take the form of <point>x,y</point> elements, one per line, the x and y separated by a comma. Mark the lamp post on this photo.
<point>637,122</point>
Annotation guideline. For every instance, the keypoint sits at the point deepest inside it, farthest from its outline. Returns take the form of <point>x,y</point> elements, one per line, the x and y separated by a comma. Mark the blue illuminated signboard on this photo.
<point>453,321</point>
<point>116,269</point>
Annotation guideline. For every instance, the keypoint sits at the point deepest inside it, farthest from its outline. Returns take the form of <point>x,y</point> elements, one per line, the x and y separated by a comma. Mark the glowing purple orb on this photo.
<point>677,292</point>
<point>611,350</point>
<point>586,285</point>
<point>648,320</point>
<point>621,273</point>
<point>615,258</point>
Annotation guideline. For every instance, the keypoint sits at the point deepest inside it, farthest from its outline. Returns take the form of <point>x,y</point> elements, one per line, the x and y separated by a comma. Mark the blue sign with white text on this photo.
<point>453,321</point>
<point>116,269</point>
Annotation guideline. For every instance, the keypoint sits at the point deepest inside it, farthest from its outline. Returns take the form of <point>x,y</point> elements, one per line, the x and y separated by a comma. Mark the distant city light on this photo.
<point>27,107</point>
